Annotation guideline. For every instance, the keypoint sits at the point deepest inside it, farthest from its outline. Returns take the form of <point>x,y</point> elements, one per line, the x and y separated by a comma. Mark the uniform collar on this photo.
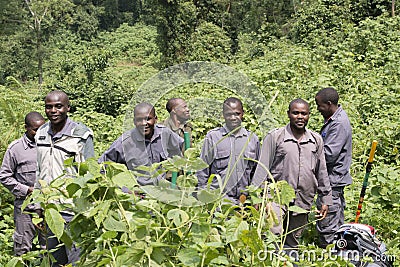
<point>27,142</point>
<point>335,115</point>
<point>66,130</point>
<point>288,135</point>
<point>242,131</point>
<point>170,124</point>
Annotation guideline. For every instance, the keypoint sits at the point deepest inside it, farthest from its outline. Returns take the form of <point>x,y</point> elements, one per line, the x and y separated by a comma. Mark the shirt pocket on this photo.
<point>222,159</point>
<point>27,173</point>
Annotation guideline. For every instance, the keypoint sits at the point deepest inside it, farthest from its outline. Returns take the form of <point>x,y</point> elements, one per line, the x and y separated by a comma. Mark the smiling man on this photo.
<point>145,144</point>
<point>179,114</point>
<point>225,149</point>
<point>56,141</point>
<point>295,154</point>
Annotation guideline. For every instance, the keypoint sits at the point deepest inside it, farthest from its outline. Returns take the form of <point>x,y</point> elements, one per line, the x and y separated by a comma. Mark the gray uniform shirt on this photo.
<point>337,135</point>
<point>301,164</point>
<point>133,150</point>
<point>225,153</point>
<point>18,171</point>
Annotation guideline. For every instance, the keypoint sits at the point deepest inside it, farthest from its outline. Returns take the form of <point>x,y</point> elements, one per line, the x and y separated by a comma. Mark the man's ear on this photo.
<point>69,107</point>
<point>156,118</point>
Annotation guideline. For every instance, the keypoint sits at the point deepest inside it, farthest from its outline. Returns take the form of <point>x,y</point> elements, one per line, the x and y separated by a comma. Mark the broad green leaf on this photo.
<point>125,178</point>
<point>285,191</point>
<point>189,257</point>
<point>297,209</point>
<point>55,222</point>
<point>103,208</point>
<point>208,195</point>
<point>15,262</point>
<point>72,188</point>
<point>109,235</point>
<point>178,216</point>
<point>251,239</point>
<point>112,224</point>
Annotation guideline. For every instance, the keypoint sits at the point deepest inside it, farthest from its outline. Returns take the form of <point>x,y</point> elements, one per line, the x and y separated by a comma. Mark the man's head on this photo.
<point>327,102</point>
<point>298,113</point>
<point>178,109</point>
<point>144,119</point>
<point>233,113</point>
<point>56,109</point>
<point>33,120</point>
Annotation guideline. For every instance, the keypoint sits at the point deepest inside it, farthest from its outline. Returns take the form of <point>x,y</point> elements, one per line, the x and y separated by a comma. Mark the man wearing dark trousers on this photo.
<point>337,135</point>
<point>18,174</point>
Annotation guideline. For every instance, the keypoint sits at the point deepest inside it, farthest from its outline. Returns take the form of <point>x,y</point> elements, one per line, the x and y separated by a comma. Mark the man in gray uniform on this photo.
<point>179,114</point>
<point>145,144</point>
<point>224,150</point>
<point>295,154</point>
<point>18,174</point>
<point>337,135</point>
<point>58,140</point>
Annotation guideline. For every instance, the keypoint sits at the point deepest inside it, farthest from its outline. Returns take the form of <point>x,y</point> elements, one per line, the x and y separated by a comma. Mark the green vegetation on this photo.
<point>102,52</point>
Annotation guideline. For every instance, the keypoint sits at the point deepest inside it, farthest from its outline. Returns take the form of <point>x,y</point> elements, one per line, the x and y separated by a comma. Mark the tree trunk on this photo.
<point>393,5</point>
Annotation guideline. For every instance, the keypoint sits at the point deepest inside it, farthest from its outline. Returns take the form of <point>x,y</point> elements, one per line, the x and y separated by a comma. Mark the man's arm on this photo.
<point>88,148</point>
<point>324,189</point>
<point>7,176</point>
<point>267,155</point>
<point>334,141</point>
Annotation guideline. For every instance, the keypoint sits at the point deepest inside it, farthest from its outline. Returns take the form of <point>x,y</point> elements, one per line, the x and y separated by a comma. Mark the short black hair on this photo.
<point>328,94</point>
<point>33,116</point>
<point>298,101</point>
<point>59,93</point>
<point>145,105</point>
<point>233,100</point>
<point>172,103</point>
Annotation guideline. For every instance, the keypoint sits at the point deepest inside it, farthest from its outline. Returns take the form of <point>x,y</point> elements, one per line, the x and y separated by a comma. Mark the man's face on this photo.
<point>181,110</point>
<point>324,108</point>
<point>298,114</point>
<point>233,115</point>
<point>56,108</point>
<point>32,128</point>
<point>144,121</point>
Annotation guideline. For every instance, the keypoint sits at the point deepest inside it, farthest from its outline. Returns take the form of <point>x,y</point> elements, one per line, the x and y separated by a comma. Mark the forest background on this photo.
<point>101,51</point>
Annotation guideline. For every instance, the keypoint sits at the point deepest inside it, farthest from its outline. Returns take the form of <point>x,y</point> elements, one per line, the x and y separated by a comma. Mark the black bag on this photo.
<point>356,241</point>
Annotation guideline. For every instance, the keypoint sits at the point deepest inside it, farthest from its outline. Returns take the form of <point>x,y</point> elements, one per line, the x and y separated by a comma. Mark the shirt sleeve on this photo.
<point>324,189</point>
<point>266,159</point>
<point>7,176</point>
<point>334,142</point>
<point>114,153</point>
<point>257,156</point>
<point>88,148</point>
<point>175,144</point>
<point>207,155</point>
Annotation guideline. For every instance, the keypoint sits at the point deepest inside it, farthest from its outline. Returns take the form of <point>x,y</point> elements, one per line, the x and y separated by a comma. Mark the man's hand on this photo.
<point>323,212</point>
